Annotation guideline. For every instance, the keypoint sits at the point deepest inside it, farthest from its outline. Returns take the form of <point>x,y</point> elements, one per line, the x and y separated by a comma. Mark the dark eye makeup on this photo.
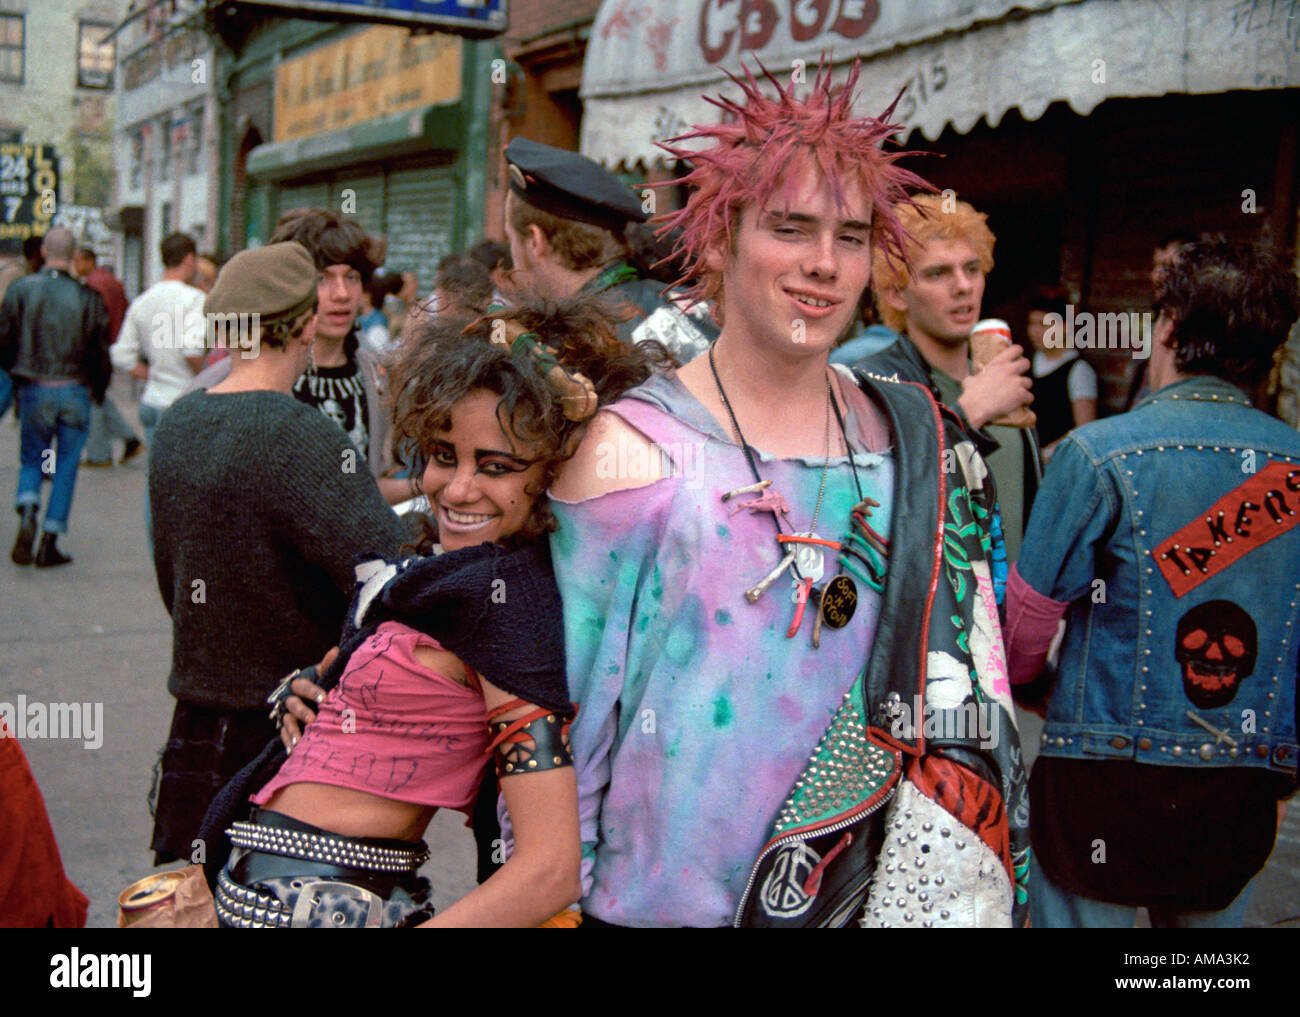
<point>494,462</point>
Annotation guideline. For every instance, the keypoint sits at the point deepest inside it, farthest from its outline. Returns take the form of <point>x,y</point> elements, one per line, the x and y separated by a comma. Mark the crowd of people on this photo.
<point>740,626</point>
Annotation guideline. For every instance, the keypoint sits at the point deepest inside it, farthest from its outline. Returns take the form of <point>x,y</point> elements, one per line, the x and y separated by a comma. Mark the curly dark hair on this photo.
<point>1232,305</point>
<point>442,363</point>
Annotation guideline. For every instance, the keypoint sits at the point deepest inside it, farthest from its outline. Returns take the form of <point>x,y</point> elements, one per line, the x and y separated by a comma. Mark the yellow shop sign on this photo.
<point>370,74</point>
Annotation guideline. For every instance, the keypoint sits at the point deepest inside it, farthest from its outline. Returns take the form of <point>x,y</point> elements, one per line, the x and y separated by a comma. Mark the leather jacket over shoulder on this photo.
<point>53,328</point>
<point>902,360</point>
<point>1173,532</point>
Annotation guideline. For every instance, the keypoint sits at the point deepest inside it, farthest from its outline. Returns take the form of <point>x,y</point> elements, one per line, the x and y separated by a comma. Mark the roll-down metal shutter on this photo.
<point>365,203</point>
<point>418,220</point>
<point>313,195</point>
<point>413,208</point>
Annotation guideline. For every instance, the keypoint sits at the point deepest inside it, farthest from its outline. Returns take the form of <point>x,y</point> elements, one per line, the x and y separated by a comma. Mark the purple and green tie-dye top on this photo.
<point>696,712</point>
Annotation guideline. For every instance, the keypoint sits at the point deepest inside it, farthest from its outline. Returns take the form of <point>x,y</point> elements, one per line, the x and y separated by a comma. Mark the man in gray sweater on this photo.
<point>259,514</point>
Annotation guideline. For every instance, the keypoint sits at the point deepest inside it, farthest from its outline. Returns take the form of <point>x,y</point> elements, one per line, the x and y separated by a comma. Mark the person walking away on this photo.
<point>106,422</point>
<point>163,338</point>
<point>54,337</point>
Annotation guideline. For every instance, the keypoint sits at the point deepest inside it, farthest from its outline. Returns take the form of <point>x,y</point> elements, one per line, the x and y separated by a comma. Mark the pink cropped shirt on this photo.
<point>394,728</point>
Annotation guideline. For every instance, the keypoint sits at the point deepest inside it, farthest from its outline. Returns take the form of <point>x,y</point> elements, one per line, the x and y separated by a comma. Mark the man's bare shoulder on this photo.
<point>599,465</point>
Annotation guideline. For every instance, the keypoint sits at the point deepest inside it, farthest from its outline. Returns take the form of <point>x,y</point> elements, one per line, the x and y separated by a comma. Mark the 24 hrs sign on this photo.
<point>29,187</point>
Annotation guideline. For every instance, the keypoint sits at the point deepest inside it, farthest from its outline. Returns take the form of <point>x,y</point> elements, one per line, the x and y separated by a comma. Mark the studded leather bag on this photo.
<point>911,810</point>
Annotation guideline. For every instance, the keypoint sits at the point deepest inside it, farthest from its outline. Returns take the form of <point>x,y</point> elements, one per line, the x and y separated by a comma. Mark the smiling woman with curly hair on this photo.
<point>445,362</point>
<point>446,657</point>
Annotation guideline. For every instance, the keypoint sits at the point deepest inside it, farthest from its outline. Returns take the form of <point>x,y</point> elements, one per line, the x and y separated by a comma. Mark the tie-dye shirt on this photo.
<point>696,711</point>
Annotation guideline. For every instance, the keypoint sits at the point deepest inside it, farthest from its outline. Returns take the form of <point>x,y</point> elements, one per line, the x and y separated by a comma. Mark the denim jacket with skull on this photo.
<point>1173,534</point>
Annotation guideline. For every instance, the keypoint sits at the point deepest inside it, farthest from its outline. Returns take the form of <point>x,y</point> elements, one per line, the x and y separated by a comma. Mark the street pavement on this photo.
<point>95,632</point>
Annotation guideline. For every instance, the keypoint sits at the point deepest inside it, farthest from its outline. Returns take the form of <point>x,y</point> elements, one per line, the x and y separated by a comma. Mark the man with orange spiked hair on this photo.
<point>932,300</point>
<point>765,628</point>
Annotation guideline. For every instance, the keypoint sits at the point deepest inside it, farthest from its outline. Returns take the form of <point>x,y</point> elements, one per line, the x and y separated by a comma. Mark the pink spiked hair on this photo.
<point>755,146</point>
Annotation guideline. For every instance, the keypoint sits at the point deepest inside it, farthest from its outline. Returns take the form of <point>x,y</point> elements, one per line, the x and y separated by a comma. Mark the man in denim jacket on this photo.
<point>1168,539</point>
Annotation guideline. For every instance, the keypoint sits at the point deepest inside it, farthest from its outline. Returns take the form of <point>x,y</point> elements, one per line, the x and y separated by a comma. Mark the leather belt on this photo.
<point>242,908</point>
<point>326,848</point>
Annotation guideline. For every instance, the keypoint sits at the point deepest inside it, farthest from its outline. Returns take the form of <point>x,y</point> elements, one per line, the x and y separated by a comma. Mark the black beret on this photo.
<point>273,281</point>
<point>571,186</point>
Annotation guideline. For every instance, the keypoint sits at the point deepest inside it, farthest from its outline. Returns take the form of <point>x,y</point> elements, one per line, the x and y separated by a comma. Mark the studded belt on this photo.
<point>305,902</point>
<point>241,908</point>
<point>327,848</point>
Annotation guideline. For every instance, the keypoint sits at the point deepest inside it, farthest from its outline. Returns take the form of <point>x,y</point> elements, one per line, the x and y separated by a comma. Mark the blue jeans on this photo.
<point>1054,908</point>
<point>149,417</point>
<point>106,423</point>
<point>55,421</point>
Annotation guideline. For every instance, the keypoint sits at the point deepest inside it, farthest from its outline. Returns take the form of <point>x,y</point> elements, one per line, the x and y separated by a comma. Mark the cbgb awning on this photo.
<point>649,62</point>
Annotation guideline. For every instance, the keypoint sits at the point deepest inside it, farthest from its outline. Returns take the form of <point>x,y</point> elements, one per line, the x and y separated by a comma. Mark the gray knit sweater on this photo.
<point>260,510</point>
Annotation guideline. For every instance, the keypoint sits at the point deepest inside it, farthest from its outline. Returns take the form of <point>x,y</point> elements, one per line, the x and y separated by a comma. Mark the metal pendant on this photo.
<point>839,601</point>
<point>810,561</point>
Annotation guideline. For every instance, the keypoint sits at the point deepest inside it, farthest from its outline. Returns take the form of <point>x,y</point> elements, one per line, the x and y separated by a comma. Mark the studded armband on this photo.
<point>529,744</point>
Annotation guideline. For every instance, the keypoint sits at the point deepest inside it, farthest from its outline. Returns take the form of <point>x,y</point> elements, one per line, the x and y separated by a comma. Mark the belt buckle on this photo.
<point>308,895</point>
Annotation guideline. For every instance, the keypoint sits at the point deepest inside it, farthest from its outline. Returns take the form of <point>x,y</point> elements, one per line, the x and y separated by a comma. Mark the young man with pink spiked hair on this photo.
<point>761,611</point>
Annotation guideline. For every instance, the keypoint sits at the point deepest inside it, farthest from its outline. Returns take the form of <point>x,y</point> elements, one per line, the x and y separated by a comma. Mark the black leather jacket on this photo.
<point>55,329</point>
<point>904,360</point>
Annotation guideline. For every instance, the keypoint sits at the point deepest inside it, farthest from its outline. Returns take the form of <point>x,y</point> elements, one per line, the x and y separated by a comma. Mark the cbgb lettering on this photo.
<point>1250,515</point>
<point>749,25</point>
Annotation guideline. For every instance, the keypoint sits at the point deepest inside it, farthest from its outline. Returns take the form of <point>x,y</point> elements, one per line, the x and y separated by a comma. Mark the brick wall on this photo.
<point>529,18</point>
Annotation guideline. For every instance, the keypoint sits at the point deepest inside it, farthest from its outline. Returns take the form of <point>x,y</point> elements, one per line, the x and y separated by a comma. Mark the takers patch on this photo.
<point>1249,516</point>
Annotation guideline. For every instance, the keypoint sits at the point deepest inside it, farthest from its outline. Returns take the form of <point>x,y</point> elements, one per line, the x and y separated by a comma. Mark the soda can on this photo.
<point>148,894</point>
